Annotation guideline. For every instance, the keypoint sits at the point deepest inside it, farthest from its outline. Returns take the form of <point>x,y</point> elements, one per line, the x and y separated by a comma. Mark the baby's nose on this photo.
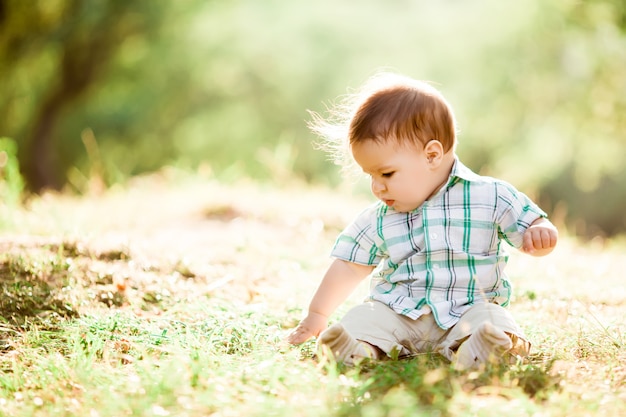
<point>377,186</point>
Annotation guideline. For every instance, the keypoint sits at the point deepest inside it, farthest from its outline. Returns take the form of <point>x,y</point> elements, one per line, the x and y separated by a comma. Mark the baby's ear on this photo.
<point>434,152</point>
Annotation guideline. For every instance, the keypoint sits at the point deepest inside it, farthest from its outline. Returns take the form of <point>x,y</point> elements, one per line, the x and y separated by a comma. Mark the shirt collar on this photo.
<point>461,171</point>
<point>458,172</point>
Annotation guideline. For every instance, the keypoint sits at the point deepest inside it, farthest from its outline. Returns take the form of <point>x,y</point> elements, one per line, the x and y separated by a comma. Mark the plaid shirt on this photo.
<point>445,255</point>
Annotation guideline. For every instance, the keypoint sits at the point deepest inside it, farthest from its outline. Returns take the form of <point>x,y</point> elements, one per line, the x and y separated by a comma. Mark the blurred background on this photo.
<point>110,89</point>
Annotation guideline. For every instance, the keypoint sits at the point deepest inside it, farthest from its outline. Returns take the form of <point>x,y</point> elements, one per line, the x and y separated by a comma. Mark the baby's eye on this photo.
<point>387,174</point>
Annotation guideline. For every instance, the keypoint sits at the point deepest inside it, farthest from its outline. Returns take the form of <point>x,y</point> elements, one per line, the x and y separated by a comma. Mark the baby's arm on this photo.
<point>340,280</point>
<point>540,238</point>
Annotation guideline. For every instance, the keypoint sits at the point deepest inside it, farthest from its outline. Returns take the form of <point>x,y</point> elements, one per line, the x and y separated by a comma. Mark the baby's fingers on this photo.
<point>537,238</point>
<point>540,238</point>
<point>528,244</point>
<point>544,238</point>
<point>299,335</point>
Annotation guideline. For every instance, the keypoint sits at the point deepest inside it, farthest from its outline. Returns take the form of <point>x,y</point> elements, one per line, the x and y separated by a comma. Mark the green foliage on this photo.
<point>11,182</point>
<point>111,89</point>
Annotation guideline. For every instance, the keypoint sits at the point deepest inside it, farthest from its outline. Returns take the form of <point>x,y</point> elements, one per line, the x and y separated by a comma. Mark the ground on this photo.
<point>192,249</point>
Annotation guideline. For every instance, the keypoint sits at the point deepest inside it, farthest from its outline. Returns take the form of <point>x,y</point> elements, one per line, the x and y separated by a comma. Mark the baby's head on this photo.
<point>389,107</point>
<point>398,108</point>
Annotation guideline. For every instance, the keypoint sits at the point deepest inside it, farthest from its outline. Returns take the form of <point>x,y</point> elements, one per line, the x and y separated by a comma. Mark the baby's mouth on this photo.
<point>389,202</point>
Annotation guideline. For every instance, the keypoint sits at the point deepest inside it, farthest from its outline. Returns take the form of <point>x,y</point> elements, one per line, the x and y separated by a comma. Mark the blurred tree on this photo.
<point>53,52</point>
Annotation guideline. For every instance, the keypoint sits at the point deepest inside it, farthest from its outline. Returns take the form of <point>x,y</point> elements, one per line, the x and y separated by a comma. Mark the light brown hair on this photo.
<point>388,107</point>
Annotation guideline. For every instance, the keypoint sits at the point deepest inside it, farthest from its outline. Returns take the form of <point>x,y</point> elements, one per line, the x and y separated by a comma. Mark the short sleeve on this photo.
<point>357,242</point>
<point>515,213</point>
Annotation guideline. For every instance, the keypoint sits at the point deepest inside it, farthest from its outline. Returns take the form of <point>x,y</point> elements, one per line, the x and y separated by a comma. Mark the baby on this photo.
<point>432,244</point>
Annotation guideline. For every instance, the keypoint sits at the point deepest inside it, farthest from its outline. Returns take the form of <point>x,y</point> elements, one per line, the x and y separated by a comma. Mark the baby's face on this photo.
<point>401,175</point>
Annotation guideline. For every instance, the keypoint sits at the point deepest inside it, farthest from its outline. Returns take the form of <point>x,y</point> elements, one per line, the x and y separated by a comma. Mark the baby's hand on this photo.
<point>540,238</point>
<point>311,326</point>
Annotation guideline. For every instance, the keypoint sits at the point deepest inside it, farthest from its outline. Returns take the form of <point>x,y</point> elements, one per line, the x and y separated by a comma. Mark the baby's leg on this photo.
<point>373,330</point>
<point>339,344</point>
<point>486,344</point>
<point>485,333</point>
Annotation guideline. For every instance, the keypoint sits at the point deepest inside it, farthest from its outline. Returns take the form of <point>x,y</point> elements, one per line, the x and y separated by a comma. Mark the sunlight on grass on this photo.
<point>181,311</point>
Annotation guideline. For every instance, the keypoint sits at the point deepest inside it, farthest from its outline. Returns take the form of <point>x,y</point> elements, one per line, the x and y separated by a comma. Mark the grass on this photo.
<point>171,297</point>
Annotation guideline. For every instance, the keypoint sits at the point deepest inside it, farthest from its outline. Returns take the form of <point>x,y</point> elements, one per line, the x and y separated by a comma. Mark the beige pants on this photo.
<point>377,324</point>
